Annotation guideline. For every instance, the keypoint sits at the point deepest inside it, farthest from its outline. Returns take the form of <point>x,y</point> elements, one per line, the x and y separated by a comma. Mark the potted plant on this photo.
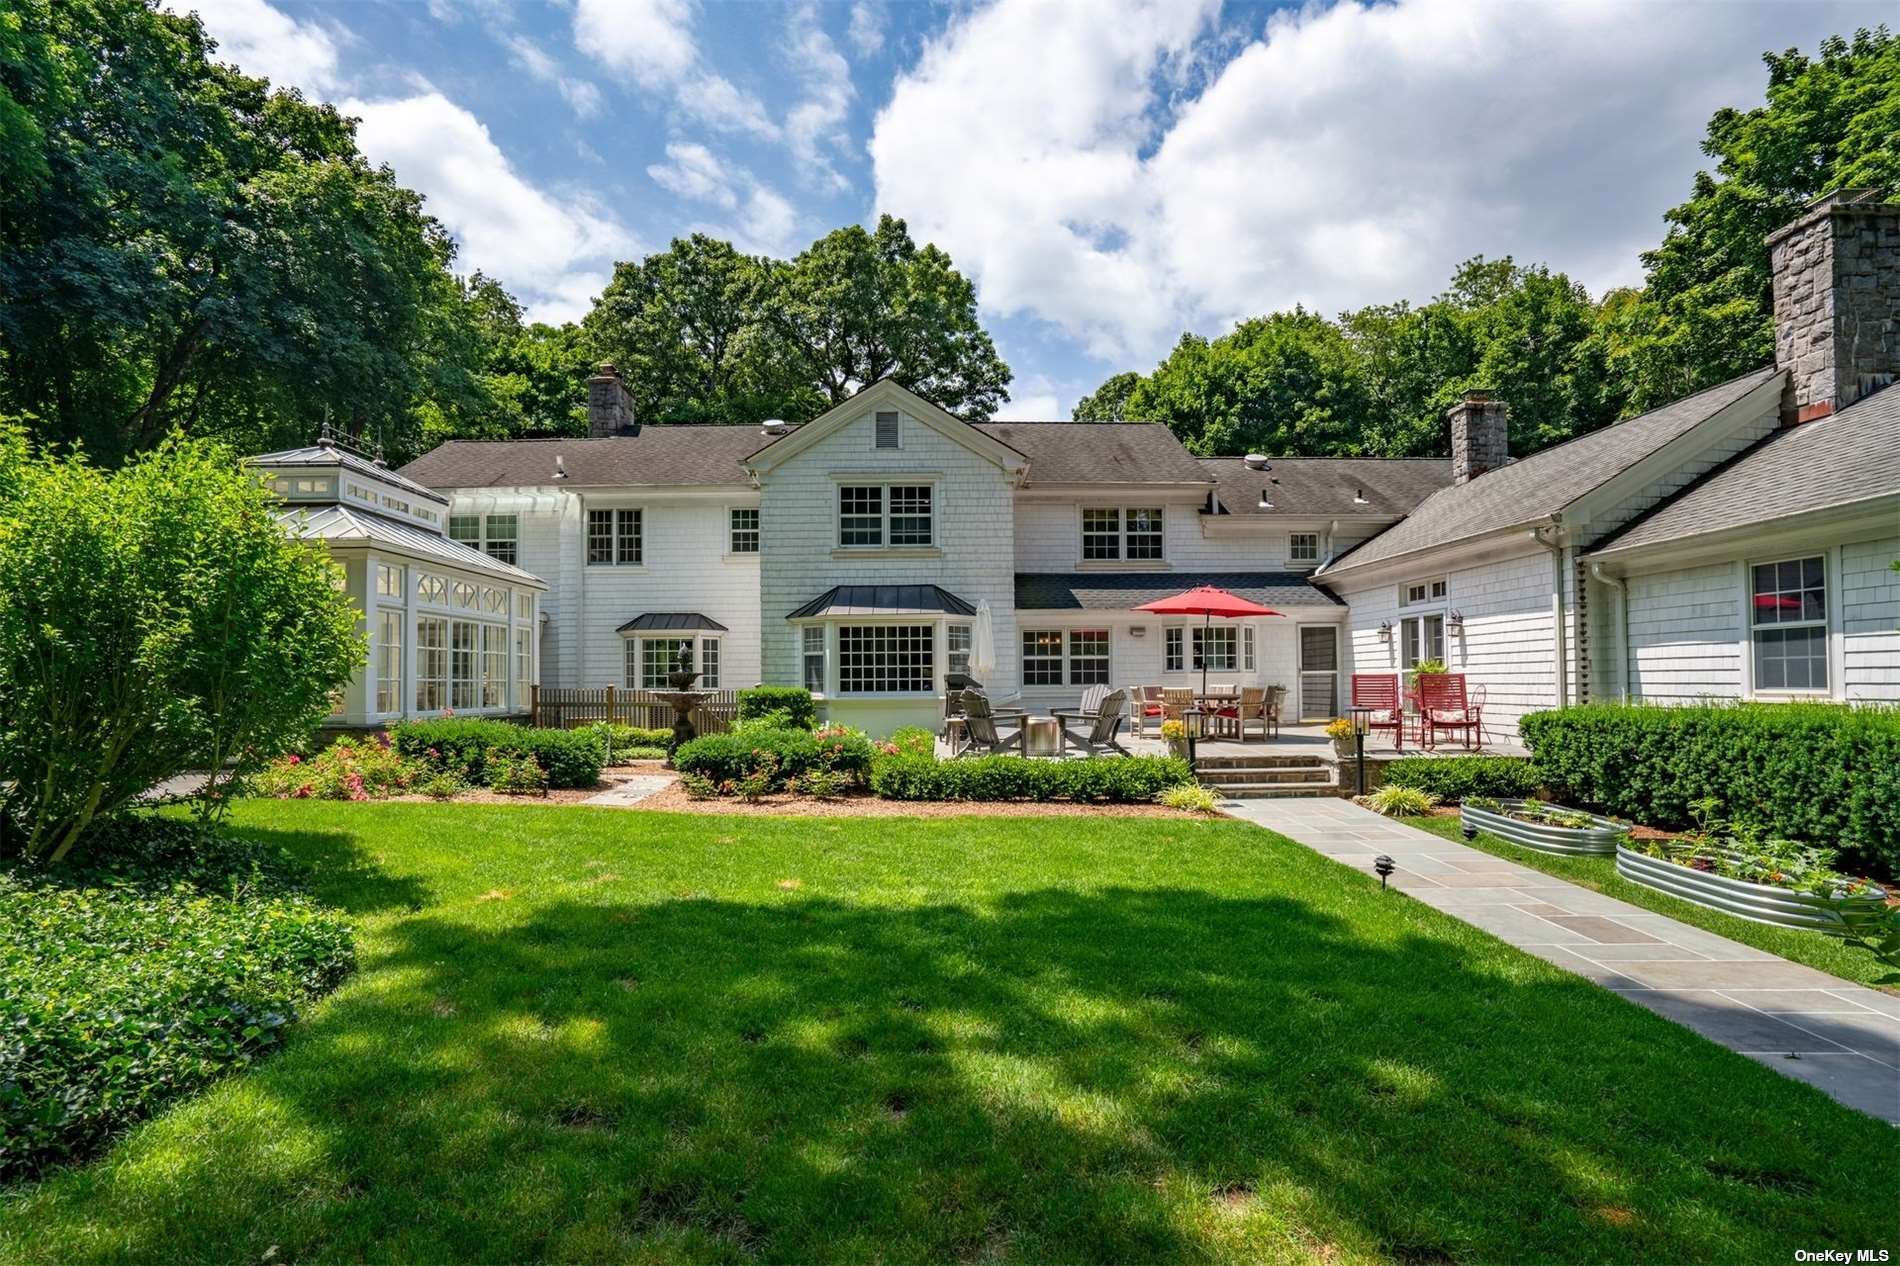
<point>1175,734</point>
<point>1340,731</point>
<point>1429,668</point>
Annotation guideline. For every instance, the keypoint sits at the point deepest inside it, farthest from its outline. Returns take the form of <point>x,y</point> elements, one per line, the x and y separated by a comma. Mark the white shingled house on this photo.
<point>1733,544</point>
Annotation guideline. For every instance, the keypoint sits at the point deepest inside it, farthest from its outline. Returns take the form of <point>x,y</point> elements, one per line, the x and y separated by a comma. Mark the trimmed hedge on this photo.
<point>572,758</point>
<point>800,709</point>
<point>1094,779</point>
<point>730,757</point>
<point>171,956</point>
<point>630,735</point>
<point>1825,774</point>
<point>1455,778</point>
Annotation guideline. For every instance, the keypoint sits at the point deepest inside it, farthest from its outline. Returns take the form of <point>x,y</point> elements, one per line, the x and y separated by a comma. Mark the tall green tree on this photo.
<point>1108,402</point>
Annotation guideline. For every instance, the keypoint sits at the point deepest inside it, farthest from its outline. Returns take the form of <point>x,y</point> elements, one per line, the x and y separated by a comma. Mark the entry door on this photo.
<point>1319,672</point>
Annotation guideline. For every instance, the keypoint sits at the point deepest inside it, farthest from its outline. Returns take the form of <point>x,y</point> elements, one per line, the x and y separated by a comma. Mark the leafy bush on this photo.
<point>1401,802</point>
<point>348,769</point>
<point>171,956</point>
<point>441,785</point>
<point>1453,779</point>
<point>731,758</point>
<point>698,786</point>
<point>626,754</point>
<point>1825,774</point>
<point>821,784</point>
<point>1190,796</point>
<point>515,774</point>
<point>910,740</point>
<point>572,758</point>
<point>625,739</point>
<point>153,619</point>
<point>795,701</point>
<point>1097,779</point>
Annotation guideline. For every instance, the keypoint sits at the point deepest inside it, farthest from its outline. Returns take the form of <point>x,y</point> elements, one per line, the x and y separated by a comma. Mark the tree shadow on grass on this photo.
<point>1143,1075</point>
<point>334,868</point>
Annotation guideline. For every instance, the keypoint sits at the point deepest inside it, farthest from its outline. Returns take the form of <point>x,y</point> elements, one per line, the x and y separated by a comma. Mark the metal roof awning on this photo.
<point>884,600</point>
<point>1125,591</point>
<point>671,622</point>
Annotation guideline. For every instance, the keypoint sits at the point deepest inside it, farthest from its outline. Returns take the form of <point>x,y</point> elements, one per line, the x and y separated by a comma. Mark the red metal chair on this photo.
<point>1380,692</point>
<point>1443,705</point>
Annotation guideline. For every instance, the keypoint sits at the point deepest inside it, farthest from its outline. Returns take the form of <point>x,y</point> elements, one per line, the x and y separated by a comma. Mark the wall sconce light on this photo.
<point>1385,632</point>
<point>1457,621</point>
<point>1139,630</point>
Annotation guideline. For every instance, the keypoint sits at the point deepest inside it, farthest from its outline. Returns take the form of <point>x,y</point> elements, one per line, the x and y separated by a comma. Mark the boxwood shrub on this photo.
<point>630,735</point>
<point>173,955</point>
<point>800,709</point>
<point>1453,778</point>
<point>1095,779</point>
<point>1826,774</point>
<point>572,758</point>
<point>724,757</point>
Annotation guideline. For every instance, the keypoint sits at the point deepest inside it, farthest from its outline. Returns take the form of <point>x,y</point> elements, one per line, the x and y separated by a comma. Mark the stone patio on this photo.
<point>1839,1037</point>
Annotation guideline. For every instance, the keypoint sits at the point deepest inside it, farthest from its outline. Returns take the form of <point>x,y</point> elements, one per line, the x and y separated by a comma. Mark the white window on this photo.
<point>614,537</point>
<point>427,516</point>
<point>812,648</point>
<point>1078,657</point>
<point>1421,637</point>
<point>495,600</point>
<point>389,661</point>
<point>464,594</point>
<point>1246,647</point>
<point>1418,592</point>
<point>304,487</point>
<point>524,664</point>
<point>395,503</point>
<point>876,515</point>
<point>463,682</point>
<point>494,665</point>
<point>388,581</point>
<point>1303,547</point>
<point>886,430</point>
<point>1173,656</point>
<point>1111,533</point>
<point>1042,657</point>
<point>651,660</point>
<point>501,537</point>
<point>1216,648</point>
<point>431,588</point>
<point>466,528</point>
<point>887,659</point>
<point>709,663</point>
<point>432,665</point>
<point>745,531</point>
<point>956,649</point>
<point>524,605</point>
<point>1788,621</point>
<point>1088,657</point>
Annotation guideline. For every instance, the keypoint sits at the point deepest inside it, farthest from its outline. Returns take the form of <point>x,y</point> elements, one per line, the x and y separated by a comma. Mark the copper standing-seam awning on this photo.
<point>883,600</point>
<point>671,622</point>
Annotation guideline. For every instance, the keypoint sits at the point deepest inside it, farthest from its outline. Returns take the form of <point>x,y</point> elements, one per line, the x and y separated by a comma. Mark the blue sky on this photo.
<point>1109,172</point>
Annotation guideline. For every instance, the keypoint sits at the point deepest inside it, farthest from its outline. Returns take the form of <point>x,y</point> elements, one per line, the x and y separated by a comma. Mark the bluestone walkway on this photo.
<point>1808,1025</point>
<point>632,790</point>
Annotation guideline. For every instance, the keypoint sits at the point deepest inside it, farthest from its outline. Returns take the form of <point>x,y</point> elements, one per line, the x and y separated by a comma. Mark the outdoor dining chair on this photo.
<point>1251,710</point>
<point>1175,701</point>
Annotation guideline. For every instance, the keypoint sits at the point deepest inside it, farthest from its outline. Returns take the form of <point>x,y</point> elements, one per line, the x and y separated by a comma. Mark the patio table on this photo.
<point>1211,703</point>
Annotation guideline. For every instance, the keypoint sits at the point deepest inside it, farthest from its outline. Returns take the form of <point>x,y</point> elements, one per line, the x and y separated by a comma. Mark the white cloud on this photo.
<point>652,40</point>
<point>816,123</point>
<point>1346,153</point>
<point>693,171</point>
<point>758,219</point>
<point>867,27</point>
<point>263,41</point>
<point>581,96</point>
<point>554,252</point>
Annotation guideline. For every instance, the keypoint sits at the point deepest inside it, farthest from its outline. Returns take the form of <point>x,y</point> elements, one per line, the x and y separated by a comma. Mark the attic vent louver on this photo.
<point>887,430</point>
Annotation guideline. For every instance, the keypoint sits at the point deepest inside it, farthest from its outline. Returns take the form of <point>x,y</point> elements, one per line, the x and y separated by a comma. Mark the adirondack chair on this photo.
<point>1092,699</point>
<point>1380,692</point>
<point>1104,723</point>
<point>1442,705</point>
<point>994,732</point>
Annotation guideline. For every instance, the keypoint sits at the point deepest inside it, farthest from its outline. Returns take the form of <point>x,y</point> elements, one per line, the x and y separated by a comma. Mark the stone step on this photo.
<point>1235,777</point>
<point>1261,761</point>
<point>1272,790</point>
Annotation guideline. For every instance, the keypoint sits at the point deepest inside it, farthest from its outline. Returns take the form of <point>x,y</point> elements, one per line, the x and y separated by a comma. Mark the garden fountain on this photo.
<point>684,699</point>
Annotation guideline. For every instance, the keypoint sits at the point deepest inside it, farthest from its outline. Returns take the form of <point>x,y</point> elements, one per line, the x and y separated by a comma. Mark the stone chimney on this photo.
<point>1480,436</point>
<point>609,406</point>
<point>1837,302</point>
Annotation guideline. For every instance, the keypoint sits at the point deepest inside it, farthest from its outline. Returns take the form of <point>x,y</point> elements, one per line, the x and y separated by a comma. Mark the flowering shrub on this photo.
<point>348,769</point>
<point>572,758</point>
<point>516,774</point>
<point>909,740</point>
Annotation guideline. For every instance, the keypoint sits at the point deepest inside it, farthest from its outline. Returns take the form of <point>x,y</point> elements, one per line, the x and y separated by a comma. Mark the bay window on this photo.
<point>811,642</point>
<point>524,664</point>
<point>1788,624</point>
<point>956,649</point>
<point>651,660</point>
<point>887,658</point>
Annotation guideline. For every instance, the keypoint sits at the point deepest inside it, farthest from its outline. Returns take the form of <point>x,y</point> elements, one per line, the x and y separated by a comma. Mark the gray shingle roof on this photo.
<point>1122,591</point>
<point>1852,456</point>
<point>324,455</point>
<point>671,622</point>
<point>884,600</point>
<point>343,525</point>
<point>1544,483</point>
<point>674,455</point>
<point>1327,485</point>
<point>1099,453</point>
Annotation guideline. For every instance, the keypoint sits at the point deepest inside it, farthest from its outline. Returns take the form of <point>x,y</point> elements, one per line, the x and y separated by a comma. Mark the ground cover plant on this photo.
<point>168,956</point>
<point>577,1034</point>
<point>1598,873</point>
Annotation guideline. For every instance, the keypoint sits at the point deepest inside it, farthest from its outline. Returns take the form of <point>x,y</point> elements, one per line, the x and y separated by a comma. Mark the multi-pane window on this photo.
<point>1303,547</point>
<point>432,665</point>
<point>651,660</point>
<point>494,665</point>
<point>1246,647</point>
<point>463,683</point>
<point>501,537</point>
<point>388,581</point>
<point>910,514</point>
<point>875,515</point>
<point>956,649</point>
<point>466,528</point>
<point>389,661</point>
<point>709,663</point>
<point>1423,591</point>
<point>614,537</point>
<point>524,605</point>
<point>1421,637</point>
<point>1173,654</point>
<point>1042,657</point>
<point>1789,618</point>
<point>861,515</point>
<point>464,594</point>
<point>431,588</point>
<point>811,644</point>
<point>887,659</point>
<point>1088,657</point>
<point>1217,648</point>
<point>745,531</point>
<point>1111,533</point>
<point>524,664</point>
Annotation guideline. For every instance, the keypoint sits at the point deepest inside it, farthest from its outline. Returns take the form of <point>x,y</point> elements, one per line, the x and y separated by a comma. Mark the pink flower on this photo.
<point>433,753</point>
<point>303,792</point>
<point>448,712</point>
<point>294,759</point>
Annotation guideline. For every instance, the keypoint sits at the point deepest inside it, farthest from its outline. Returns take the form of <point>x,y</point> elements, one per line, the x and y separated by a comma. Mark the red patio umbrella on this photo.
<point>1208,602</point>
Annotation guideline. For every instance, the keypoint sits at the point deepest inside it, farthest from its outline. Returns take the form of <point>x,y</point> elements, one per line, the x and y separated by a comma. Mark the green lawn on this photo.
<point>1823,953</point>
<point>581,1034</point>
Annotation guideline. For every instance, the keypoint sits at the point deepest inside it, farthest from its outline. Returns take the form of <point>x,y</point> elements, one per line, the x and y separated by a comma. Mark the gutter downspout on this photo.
<point>1622,625</point>
<point>580,598</point>
<point>1559,636</point>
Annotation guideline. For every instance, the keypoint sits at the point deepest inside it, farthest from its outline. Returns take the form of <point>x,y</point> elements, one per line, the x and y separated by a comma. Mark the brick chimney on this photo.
<point>1837,302</point>
<point>1480,436</point>
<point>609,406</point>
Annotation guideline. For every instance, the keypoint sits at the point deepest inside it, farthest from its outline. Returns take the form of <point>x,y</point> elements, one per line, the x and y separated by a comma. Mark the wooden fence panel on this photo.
<point>568,709</point>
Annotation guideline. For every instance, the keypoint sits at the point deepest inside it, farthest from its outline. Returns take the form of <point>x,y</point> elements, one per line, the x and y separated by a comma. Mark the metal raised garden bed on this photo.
<point>1763,903</point>
<point>1599,838</point>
